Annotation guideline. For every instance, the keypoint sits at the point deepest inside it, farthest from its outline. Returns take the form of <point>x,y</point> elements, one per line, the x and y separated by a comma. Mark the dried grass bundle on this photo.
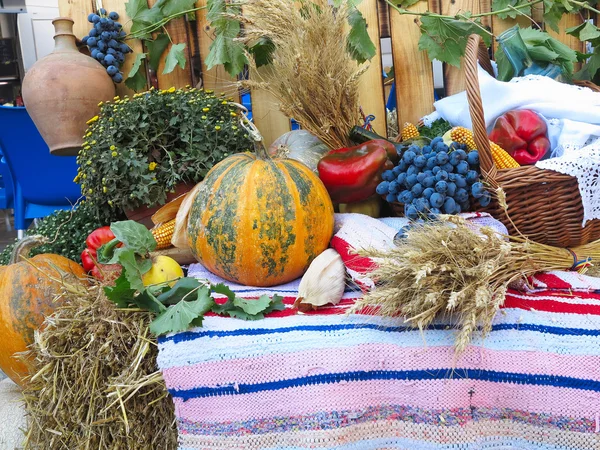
<point>94,382</point>
<point>447,269</point>
<point>312,75</point>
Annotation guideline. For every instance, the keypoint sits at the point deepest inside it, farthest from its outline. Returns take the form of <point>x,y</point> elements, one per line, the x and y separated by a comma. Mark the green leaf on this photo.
<point>587,31</point>
<point>591,68</point>
<point>223,289</point>
<point>176,56</point>
<point>121,293</point>
<point>133,267</point>
<point>184,288</point>
<point>134,236</point>
<point>138,82</point>
<point>445,39</point>
<point>404,3</point>
<point>142,16</point>
<point>148,302</point>
<point>553,12</point>
<point>184,314</point>
<point>254,306</point>
<point>172,7</point>
<point>498,5</point>
<point>262,51</point>
<point>225,50</point>
<point>359,43</point>
<point>156,48</point>
<point>136,79</point>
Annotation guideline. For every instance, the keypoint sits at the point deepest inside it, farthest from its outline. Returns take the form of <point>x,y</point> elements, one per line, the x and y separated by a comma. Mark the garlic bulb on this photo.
<point>323,282</point>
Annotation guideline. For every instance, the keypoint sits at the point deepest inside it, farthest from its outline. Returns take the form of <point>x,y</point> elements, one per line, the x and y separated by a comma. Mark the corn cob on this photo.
<point>409,131</point>
<point>163,233</point>
<point>501,158</point>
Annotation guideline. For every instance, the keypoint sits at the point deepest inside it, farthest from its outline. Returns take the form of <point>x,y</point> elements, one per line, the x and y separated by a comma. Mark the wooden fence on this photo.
<point>413,70</point>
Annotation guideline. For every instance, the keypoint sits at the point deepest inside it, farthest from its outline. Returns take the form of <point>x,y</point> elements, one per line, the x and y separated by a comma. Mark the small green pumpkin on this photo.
<point>301,146</point>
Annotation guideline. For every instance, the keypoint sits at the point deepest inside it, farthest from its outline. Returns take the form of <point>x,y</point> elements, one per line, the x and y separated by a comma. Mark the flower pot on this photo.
<point>143,214</point>
<point>62,91</point>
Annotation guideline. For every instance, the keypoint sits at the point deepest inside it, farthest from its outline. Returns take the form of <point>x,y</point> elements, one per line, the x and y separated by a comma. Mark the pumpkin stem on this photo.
<point>25,245</point>
<point>259,147</point>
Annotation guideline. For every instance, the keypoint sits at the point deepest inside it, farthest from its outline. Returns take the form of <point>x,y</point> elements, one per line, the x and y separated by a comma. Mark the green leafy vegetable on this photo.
<point>445,38</point>
<point>438,128</point>
<point>175,57</point>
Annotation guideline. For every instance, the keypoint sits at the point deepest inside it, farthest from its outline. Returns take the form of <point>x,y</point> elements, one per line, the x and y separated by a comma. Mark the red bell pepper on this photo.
<point>523,134</point>
<point>89,256</point>
<point>351,174</point>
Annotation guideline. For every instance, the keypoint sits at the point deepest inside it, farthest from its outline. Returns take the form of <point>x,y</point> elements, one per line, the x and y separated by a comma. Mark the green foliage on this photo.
<point>231,53</point>
<point>511,7</point>
<point>179,307</point>
<point>445,39</point>
<point>543,49</point>
<point>139,149</point>
<point>438,128</point>
<point>67,229</point>
<point>590,33</point>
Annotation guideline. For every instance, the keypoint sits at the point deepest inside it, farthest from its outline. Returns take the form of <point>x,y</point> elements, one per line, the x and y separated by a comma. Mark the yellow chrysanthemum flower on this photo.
<point>92,120</point>
<point>152,166</point>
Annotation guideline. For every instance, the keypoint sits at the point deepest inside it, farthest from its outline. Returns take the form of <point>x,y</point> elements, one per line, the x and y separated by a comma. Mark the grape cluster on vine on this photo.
<point>105,41</point>
<point>435,179</point>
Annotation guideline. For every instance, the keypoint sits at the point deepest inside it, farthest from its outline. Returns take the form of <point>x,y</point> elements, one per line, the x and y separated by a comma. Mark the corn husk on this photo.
<point>323,283</point>
<point>180,237</point>
<point>168,211</point>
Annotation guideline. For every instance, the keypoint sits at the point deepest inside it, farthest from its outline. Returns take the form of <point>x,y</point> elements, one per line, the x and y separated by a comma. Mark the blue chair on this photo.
<point>42,183</point>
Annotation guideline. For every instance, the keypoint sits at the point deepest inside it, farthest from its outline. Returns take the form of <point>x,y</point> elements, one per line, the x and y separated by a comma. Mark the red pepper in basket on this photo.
<point>351,174</point>
<point>523,134</point>
<point>89,256</point>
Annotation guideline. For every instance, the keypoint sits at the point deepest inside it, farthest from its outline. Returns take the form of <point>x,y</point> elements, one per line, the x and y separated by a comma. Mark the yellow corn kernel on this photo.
<point>409,131</point>
<point>163,233</point>
<point>501,158</point>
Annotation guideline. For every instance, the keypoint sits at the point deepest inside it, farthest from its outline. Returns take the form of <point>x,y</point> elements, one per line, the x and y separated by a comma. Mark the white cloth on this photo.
<point>572,114</point>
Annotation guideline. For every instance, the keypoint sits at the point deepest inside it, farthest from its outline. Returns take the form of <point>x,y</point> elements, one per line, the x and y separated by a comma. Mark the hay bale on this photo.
<point>95,383</point>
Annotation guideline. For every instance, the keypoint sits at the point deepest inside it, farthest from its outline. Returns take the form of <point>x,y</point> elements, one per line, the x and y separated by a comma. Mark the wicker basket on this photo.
<point>543,205</point>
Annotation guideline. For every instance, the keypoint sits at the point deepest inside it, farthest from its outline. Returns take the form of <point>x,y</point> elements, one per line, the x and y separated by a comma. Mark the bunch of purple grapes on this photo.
<point>105,41</point>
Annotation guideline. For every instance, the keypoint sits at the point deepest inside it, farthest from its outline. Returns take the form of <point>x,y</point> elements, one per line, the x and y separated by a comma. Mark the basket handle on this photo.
<point>474,52</point>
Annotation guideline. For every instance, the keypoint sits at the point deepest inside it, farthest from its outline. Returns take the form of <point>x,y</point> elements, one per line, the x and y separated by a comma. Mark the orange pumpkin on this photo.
<point>27,297</point>
<point>259,221</point>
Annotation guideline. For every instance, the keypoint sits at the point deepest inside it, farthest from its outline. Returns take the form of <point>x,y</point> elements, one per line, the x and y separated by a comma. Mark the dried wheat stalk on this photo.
<point>312,75</point>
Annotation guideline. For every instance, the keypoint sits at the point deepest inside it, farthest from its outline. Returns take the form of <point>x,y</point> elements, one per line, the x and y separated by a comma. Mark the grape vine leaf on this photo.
<point>141,16</point>
<point>553,12</point>
<point>134,236</point>
<point>359,43</point>
<point>136,79</point>
<point>262,51</point>
<point>404,3</point>
<point>587,31</point>
<point>591,68</point>
<point>253,306</point>
<point>171,7</point>
<point>121,293</point>
<point>498,5</point>
<point>225,50</point>
<point>156,48</point>
<point>176,56</point>
<point>184,314</point>
<point>184,288</point>
<point>445,39</point>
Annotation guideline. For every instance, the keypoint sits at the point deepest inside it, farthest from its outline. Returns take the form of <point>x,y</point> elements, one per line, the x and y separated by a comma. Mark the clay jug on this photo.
<point>62,91</point>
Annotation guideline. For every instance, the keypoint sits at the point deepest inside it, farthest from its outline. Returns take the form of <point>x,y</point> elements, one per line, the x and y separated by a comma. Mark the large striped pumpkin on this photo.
<point>259,221</point>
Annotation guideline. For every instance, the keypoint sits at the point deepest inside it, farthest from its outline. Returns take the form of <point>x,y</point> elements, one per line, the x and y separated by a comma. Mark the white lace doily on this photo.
<point>582,162</point>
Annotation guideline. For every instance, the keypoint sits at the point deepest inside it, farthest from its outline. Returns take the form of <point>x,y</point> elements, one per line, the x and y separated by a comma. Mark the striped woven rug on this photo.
<point>331,381</point>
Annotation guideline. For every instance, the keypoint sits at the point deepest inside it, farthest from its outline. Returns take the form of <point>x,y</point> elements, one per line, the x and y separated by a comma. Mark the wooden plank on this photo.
<point>454,78</point>
<point>370,89</point>
<point>217,78</point>
<point>384,19</point>
<point>267,117</point>
<point>412,68</point>
<point>179,77</point>
<point>568,21</point>
<point>78,10</point>
<point>119,7</point>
